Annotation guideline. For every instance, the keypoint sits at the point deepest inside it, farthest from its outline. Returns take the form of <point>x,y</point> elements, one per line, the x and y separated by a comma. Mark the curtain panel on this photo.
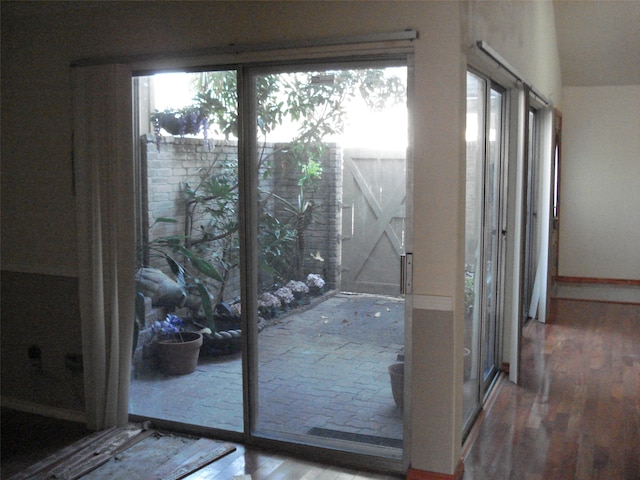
<point>103,162</point>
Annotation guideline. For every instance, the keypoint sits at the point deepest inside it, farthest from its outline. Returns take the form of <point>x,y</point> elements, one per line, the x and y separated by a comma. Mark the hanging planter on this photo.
<point>177,353</point>
<point>187,121</point>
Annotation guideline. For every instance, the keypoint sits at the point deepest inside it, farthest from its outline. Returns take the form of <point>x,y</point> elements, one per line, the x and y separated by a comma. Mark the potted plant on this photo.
<point>175,348</point>
<point>396,374</point>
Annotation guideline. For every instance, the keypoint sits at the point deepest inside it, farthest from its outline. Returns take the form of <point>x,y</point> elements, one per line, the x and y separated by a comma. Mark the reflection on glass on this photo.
<point>493,176</point>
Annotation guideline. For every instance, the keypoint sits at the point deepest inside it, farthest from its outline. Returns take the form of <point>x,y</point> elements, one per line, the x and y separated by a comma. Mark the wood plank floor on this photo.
<point>576,414</point>
<point>267,466</point>
<point>28,439</point>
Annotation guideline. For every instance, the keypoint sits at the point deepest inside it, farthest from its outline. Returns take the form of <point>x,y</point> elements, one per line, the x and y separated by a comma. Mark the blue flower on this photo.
<point>171,324</point>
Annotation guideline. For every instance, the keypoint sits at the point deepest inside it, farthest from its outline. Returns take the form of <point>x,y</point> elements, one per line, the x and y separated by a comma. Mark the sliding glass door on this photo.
<point>532,246</point>
<point>272,219</point>
<point>188,276</point>
<point>331,174</point>
<point>483,241</point>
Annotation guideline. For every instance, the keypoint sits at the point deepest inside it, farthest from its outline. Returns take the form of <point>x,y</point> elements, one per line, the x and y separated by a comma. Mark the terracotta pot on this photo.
<point>177,353</point>
<point>396,372</point>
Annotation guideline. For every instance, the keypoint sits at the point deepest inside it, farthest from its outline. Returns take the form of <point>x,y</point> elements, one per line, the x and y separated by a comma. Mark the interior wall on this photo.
<point>41,39</point>
<point>600,193</point>
<point>37,314</point>
<point>524,34</point>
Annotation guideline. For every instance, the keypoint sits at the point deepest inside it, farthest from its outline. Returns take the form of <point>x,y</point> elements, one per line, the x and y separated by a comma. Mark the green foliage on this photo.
<point>276,242</point>
<point>317,104</point>
<point>217,96</point>
<point>316,100</point>
<point>469,290</point>
<point>379,91</point>
<point>311,171</point>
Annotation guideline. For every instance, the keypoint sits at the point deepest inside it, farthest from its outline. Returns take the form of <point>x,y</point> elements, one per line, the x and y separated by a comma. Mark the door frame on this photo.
<point>248,180</point>
<point>484,386</point>
<point>554,214</point>
<point>248,239</point>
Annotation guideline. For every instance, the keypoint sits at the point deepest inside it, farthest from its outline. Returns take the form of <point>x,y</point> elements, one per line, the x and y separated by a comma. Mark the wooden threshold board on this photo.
<point>134,451</point>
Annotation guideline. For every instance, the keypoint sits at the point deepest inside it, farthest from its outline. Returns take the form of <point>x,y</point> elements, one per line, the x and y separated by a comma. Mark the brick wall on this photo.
<point>176,161</point>
<point>322,238</point>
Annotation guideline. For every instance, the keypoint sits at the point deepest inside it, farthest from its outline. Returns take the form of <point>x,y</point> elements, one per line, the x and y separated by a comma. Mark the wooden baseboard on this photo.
<point>598,281</point>
<point>415,474</point>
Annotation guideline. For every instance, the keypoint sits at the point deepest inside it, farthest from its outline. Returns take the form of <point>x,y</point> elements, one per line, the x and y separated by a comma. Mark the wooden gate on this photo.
<point>373,220</point>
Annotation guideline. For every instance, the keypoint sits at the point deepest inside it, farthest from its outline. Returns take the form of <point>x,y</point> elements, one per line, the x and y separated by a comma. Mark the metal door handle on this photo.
<point>406,273</point>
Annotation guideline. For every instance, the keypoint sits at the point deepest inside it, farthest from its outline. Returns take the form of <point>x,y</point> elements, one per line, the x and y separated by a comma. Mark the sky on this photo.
<point>385,130</point>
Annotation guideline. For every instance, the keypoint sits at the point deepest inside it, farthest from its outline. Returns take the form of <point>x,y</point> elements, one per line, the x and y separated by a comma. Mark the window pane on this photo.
<point>492,228</point>
<point>331,202</point>
<point>475,135</point>
<point>189,252</point>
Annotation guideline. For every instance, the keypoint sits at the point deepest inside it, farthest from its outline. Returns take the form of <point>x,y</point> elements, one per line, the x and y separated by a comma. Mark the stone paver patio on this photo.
<point>321,371</point>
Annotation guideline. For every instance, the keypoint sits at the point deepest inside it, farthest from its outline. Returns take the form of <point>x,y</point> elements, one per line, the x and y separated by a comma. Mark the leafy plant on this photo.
<point>300,217</point>
<point>276,240</point>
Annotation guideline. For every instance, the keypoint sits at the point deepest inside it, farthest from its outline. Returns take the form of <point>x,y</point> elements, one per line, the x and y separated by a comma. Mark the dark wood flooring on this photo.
<point>576,414</point>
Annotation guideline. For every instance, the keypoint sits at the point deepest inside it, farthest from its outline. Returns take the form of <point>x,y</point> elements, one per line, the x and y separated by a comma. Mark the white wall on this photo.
<point>600,183</point>
<point>524,34</point>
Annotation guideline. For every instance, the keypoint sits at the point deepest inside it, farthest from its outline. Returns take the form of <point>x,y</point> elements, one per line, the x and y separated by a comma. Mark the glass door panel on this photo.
<point>531,226</point>
<point>476,94</point>
<point>492,230</point>
<point>188,253</point>
<point>330,171</point>
<point>484,183</point>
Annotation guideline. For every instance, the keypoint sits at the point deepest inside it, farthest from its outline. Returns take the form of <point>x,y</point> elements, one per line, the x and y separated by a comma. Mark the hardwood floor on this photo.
<point>267,466</point>
<point>28,439</point>
<point>576,413</point>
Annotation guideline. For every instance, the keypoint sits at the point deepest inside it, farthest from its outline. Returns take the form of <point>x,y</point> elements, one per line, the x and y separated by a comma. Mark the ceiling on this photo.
<point>598,41</point>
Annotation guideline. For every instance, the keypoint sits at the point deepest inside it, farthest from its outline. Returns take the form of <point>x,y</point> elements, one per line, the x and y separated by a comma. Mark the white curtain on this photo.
<point>103,161</point>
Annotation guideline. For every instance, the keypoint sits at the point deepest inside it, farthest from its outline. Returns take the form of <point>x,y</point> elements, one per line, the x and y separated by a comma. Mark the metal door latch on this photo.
<point>406,273</point>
